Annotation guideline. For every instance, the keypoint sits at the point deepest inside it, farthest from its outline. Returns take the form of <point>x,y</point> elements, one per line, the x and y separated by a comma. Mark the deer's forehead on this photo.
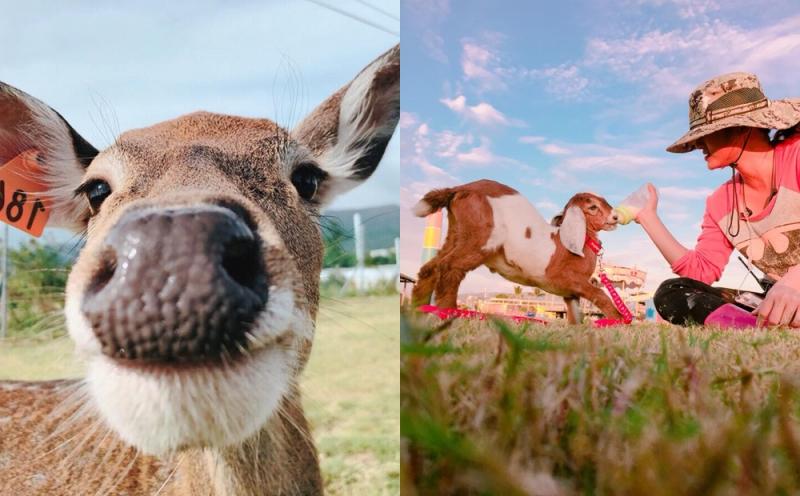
<point>204,135</point>
<point>198,142</point>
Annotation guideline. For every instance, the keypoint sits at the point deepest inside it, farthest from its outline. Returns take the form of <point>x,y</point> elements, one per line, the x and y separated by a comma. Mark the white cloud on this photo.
<point>481,64</point>
<point>423,18</point>
<point>547,207</point>
<point>671,63</point>
<point>407,120</point>
<point>626,163</point>
<point>448,143</point>
<point>687,9</point>
<point>482,113</point>
<point>434,45</point>
<point>486,114</point>
<point>426,11</point>
<point>564,82</point>
<point>677,192</point>
<point>588,162</point>
<point>417,143</point>
<point>553,149</point>
<point>480,155</point>
<point>531,140</point>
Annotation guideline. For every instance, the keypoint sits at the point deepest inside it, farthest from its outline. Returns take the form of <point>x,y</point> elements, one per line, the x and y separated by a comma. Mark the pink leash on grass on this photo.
<point>627,317</point>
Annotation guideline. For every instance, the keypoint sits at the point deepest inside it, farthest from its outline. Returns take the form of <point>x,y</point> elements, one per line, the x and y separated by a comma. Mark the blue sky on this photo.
<point>553,98</point>
<point>109,67</point>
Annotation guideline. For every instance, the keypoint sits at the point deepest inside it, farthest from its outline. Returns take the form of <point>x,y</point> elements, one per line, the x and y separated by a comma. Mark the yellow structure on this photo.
<point>432,236</point>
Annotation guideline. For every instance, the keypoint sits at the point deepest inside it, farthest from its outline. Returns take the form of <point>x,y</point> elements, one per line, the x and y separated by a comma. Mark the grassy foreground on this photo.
<point>495,408</point>
<point>350,389</point>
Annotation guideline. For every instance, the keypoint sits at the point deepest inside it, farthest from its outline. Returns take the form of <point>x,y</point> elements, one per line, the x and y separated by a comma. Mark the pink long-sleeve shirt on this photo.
<point>771,238</point>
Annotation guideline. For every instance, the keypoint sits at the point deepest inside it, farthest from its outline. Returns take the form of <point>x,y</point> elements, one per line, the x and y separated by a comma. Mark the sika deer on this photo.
<point>194,298</point>
<point>491,224</point>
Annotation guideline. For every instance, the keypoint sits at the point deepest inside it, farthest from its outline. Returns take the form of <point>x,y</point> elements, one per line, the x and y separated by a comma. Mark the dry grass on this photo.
<point>493,408</point>
<point>350,390</point>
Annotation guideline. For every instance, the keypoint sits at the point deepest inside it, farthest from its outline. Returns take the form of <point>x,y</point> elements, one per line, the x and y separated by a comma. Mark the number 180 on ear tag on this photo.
<point>23,201</point>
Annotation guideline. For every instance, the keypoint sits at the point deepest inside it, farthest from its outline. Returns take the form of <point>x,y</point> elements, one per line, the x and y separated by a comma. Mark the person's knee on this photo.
<point>665,290</point>
<point>684,301</point>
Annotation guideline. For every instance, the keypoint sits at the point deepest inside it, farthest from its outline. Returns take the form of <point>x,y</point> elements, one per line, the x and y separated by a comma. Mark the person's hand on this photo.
<point>650,208</point>
<point>781,306</point>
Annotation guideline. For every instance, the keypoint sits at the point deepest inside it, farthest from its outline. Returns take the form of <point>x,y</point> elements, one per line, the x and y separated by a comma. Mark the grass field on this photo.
<point>350,390</point>
<point>495,408</point>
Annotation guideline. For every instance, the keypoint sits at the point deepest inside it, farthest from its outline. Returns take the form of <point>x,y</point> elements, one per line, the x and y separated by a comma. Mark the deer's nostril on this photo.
<point>105,271</point>
<point>240,260</point>
<point>177,285</point>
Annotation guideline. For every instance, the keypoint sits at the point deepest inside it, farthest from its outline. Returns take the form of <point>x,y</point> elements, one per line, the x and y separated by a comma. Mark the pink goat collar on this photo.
<point>594,244</point>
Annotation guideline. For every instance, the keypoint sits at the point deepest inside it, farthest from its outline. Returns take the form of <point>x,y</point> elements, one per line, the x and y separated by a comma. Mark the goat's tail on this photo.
<point>433,201</point>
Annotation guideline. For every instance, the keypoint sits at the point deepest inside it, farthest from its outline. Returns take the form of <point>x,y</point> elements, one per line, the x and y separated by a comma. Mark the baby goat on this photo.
<point>492,224</point>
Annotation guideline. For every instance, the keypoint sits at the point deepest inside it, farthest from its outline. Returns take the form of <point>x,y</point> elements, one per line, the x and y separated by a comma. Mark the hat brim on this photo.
<point>780,114</point>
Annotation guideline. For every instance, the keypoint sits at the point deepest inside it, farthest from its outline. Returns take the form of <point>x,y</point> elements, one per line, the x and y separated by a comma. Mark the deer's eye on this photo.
<point>96,192</point>
<point>306,179</point>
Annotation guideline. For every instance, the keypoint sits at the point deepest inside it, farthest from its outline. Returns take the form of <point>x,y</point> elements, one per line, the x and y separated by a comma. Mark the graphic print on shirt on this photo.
<point>771,243</point>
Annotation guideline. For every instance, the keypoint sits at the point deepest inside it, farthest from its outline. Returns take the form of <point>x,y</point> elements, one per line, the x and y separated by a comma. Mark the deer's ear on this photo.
<point>27,123</point>
<point>349,131</point>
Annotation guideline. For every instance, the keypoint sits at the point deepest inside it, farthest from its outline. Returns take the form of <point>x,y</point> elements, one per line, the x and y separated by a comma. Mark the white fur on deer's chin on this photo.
<point>160,410</point>
<point>164,412</point>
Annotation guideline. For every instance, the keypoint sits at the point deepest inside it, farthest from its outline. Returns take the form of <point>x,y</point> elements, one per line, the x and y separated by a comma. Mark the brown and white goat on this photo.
<point>194,298</point>
<point>492,224</point>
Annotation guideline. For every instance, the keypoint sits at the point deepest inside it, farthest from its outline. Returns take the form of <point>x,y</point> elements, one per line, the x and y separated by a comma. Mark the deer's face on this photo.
<point>195,295</point>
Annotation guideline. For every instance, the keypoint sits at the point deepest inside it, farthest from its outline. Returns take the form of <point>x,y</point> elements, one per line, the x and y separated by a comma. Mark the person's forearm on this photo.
<point>666,243</point>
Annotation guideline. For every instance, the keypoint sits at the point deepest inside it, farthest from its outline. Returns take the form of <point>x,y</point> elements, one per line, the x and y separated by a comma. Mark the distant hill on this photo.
<point>381,226</point>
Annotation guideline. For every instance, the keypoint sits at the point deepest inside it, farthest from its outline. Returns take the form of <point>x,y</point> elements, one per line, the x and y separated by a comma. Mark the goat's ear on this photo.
<point>573,230</point>
<point>349,131</point>
<point>557,219</point>
<point>27,123</point>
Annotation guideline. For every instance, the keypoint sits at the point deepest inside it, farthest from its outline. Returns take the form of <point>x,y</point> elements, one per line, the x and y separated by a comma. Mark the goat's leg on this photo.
<point>600,300</point>
<point>452,271</point>
<point>426,280</point>
<point>574,313</point>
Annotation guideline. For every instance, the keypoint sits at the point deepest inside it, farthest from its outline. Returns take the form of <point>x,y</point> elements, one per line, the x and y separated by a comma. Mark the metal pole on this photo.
<point>358,231</point>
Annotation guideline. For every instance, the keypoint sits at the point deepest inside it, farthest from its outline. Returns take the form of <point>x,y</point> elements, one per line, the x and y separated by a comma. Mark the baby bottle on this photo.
<point>629,208</point>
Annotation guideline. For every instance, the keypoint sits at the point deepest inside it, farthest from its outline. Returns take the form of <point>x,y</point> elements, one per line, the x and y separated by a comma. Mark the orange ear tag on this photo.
<point>23,203</point>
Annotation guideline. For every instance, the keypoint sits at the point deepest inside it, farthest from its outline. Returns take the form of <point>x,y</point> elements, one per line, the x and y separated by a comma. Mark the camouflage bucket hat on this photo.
<point>731,100</point>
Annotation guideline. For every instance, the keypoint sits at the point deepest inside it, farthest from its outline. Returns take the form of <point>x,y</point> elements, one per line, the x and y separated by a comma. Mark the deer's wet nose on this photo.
<point>177,285</point>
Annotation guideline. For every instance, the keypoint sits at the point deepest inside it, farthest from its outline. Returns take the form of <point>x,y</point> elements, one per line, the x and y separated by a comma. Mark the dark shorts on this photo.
<point>685,301</point>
